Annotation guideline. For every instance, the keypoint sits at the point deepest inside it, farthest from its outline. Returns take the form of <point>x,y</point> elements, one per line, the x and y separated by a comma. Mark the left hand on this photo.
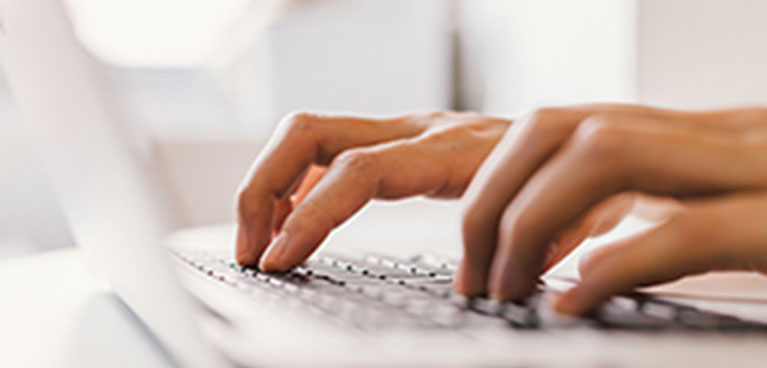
<point>318,170</point>
<point>558,169</point>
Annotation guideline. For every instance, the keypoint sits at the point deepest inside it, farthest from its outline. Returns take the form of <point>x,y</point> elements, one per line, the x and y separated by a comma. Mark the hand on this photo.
<point>289,203</point>
<point>559,168</point>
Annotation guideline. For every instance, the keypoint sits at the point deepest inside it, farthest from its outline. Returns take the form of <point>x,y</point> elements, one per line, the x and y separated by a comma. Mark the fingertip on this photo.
<point>274,259</point>
<point>244,259</point>
<point>242,253</point>
<point>270,265</point>
<point>250,245</point>
<point>571,302</point>
<point>504,291</point>
<point>469,282</point>
<point>510,280</point>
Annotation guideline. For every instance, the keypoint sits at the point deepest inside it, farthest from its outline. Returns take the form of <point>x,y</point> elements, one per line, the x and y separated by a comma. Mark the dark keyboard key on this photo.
<point>614,315</point>
<point>519,315</point>
<point>378,292</point>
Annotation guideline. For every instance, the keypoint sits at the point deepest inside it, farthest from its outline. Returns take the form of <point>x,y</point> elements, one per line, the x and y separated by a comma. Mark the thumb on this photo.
<point>726,233</point>
<point>599,220</point>
<point>662,254</point>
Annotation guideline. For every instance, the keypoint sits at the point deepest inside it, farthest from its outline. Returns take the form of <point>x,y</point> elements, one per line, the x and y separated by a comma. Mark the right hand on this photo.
<point>703,173</point>
<point>289,203</point>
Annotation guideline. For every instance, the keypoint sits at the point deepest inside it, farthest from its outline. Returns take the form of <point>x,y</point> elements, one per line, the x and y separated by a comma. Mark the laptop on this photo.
<point>337,310</point>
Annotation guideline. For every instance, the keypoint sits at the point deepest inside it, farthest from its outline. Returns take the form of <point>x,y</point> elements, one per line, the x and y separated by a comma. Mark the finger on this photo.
<point>302,139</point>
<point>286,204</point>
<point>649,208</point>
<point>385,171</point>
<point>532,139</point>
<point>313,176</point>
<point>663,254</point>
<point>723,234</point>
<point>350,182</point>
<point>602,159</point>
<point>596,256</point>
<point>281,211</point>
<point>524,148</point>
<point>606,216</point>
<point>597,221</point>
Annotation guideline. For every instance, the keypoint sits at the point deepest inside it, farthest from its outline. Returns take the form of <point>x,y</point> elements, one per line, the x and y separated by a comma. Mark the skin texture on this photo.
<point>534,189</point>
<point>319,170</point>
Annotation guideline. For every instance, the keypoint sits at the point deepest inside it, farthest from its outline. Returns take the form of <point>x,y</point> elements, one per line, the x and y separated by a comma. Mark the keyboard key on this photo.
<point>485,306</point>
<point>659,310</point>
<point>377,292</point>
<point>519,315</point>
<point>613,316</point>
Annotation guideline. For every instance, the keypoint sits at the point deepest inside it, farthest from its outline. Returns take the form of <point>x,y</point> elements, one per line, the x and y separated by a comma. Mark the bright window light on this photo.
<point>157,33</point>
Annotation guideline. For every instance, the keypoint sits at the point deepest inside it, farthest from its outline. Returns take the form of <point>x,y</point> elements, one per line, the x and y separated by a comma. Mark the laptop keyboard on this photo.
<point>376,292</point>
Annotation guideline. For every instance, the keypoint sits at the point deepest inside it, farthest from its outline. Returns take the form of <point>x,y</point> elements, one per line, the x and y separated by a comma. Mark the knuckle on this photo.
<point>299,121</point>
<point>598,137</point>
<point>471,220</point>
<point>541,122</point>
<point>451,134</point>
<point>431,116</point>
<point>545,113</point>
<point>435,114</point>
<point>355,161</point>
<point>243,201</point>
<point>251,204</point>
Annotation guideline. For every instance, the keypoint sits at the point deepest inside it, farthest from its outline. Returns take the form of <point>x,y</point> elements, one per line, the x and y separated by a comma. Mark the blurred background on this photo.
<point>209,79</point>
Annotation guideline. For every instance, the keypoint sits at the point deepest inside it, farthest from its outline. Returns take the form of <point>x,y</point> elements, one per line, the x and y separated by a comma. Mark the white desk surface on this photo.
<point>56,312</point>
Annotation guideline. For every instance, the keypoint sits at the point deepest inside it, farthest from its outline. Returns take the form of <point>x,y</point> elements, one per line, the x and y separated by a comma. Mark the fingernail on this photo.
<point>273,260</point>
